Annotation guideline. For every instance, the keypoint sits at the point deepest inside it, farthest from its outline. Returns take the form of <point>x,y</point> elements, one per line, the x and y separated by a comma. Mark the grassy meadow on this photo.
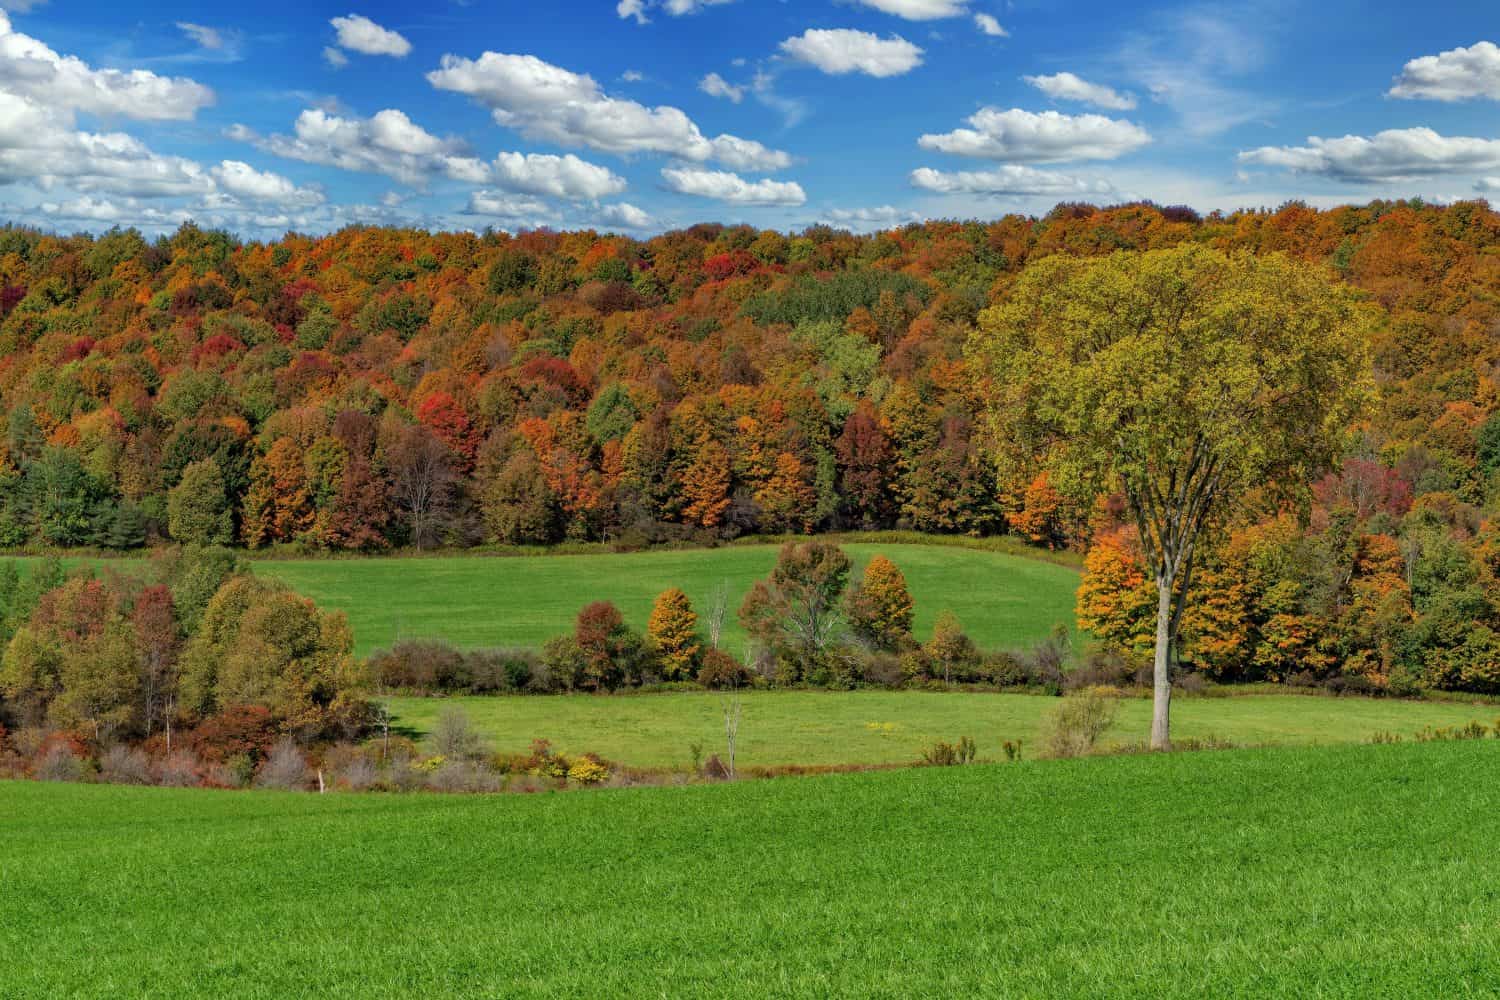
<point>1354,872</point>
<point>474,601</point>
<point>886,727</point>
<point>1003,600</point>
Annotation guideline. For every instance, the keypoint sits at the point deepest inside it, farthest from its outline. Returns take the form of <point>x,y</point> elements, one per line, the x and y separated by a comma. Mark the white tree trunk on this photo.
<point>1161,706</point>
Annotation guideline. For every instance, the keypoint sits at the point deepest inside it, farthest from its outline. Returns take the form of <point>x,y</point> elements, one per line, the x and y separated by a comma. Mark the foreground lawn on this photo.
<point>1355,871</point>
<point>875,727</point>
<point>1003,600</point>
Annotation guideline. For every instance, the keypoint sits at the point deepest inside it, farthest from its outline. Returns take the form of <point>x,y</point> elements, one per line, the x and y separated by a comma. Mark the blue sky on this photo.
<point>643,115</point>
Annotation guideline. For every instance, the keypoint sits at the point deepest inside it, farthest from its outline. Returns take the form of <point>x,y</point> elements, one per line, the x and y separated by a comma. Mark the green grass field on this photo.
<point>881,727</point>
<point>473,601</point>
<point>1350,872</point>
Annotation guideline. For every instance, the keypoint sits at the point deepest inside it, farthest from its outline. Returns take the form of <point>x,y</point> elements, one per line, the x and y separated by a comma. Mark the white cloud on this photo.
<point>1487,184</point>
<point>632,76</point>
<point>987,25</point>
<point>625,215</point>
<point>241,180</point>
<point>558,176</point>
<point>715,85</point>
<point>920,10</point>
<point>516,211</point>
<point>358,33</point>
<point>725,186</point>
<point>676,8</point>
<point>28,68</point>
<point>387,143</point>
<point>334,57</point>
<point>1393,155</point>
<point>1455,75</point>
<point>1068,87</point>
<point>202,34</point>
<point>868,219</point>
<point>1009,179</point>
<point>843,50</point>
<point>390,143</point>
<point>1045,137</point>
<point>551,104</point>
<point>112,212</point>
<point>747,154</point>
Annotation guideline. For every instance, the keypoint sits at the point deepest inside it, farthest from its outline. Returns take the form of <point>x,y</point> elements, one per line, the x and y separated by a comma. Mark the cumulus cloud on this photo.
<point>1393,155</point>
<point>358,33</point>
<point>1045,137</point>
<point>723,185</point>
<point>558,176</point>
<point>41,95</point>
<point>840,51</point>
<point>390,143</point>
<point>625,215</point>
<point>1010,179</point>
<point>747,154</point>
<point>1455,75</point>
<point>715,85</point>
<point>867,219</point>
<point>987,25</point>
<point>676,8</point>
<point>241,180</point>
<point>551,104</point>
<point>29,68</point>
<point>1069,87</point>
<point>515,211</point>
<point>920,10</point>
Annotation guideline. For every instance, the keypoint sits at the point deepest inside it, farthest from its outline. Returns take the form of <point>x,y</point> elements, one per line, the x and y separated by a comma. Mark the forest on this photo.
<point>378,389</point>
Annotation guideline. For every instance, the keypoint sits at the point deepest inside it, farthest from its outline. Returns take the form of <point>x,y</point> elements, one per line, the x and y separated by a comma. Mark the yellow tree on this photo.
<point>1182,379</point>
<point>674,628</point>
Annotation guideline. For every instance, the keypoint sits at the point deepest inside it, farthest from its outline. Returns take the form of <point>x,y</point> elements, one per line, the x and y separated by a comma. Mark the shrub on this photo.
<point>1192,683</point>
<point>237,730</point>
<point>721,670</point>
<point>588,770</point>
<point>58,763</point>
<point>1105,667</point>
<point>420,665</point>
<point>942,754</point>
<point>1011,749</point>
<point>563,666</point>
<point>179,769</point>
<point>454,738</point>
<point>1004,670</point>
<point>884,669</point>
<point>285,768</point>
<point>122,765</point>
<point>1074,727</point>
<point>463,776</point>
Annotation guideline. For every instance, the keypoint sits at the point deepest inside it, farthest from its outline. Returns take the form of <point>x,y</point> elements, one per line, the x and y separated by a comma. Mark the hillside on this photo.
<point>378,387</point>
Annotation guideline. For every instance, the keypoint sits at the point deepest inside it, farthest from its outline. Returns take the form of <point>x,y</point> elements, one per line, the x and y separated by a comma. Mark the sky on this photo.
<point>639,116</point>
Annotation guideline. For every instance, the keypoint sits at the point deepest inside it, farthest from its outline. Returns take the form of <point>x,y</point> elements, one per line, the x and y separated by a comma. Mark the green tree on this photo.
<point>1182,379</point>
<point>198,508</point>
<point>796,612</point>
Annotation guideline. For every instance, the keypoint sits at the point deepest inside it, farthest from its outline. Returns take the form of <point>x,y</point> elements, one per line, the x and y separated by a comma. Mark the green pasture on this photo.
<point>1311,872</point>
<point>882,727</point>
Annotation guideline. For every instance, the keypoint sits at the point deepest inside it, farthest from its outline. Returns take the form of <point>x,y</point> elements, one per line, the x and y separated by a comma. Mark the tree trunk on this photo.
<point>1161,706</point>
